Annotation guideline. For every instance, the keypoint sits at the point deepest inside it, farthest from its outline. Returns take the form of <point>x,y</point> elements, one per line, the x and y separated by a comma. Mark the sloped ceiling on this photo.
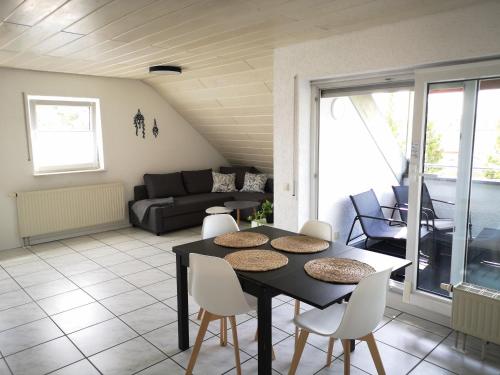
<point>224,47</point>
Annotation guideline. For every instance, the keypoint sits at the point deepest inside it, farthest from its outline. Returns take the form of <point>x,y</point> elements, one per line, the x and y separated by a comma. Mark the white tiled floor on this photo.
<point>105,304</point>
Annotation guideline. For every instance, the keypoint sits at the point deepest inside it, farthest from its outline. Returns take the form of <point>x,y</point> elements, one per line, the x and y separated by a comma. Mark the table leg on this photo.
<point>264,316</point>
<point>353,345</point>
<point>182,305</point>
<point>238,216</point>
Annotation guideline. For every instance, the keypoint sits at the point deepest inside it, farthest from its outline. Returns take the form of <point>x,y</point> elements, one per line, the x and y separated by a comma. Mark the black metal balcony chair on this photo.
<point>376,226</point>
<point>429,216</point>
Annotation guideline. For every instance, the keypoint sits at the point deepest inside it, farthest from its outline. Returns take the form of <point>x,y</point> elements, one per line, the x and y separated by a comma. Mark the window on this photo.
<point>65,134</point>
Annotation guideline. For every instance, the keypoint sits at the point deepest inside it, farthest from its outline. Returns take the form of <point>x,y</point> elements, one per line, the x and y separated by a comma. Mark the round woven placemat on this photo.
<point>241,239</point>
<point>256,260</point>
<point>299,244</point>
<point>338,270</point>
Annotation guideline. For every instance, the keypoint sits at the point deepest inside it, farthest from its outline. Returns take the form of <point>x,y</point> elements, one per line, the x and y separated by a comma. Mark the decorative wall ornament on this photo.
<point>139,124</point>
<point>155,129</point>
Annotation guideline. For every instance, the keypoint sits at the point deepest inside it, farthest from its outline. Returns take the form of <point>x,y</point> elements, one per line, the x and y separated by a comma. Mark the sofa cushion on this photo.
<point>197,182</point>
<point>240,173</point>
<point>196,203</point>
<point>164,185</point>
<point>223,182</point>
<point>251,196</point>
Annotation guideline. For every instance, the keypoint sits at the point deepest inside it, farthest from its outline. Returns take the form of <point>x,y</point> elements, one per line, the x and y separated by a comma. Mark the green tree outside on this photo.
<point>433,150</point>
<point>494,160</point>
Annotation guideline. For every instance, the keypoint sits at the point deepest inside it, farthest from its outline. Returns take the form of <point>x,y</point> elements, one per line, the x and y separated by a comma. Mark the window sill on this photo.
<point>68,172</point>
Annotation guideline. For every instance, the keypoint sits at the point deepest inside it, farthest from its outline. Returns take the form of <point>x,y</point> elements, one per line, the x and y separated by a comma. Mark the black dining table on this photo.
<point>290,280</point>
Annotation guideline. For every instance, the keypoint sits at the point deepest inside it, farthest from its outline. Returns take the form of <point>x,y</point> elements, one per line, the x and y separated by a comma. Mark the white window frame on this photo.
<point>95,125</point>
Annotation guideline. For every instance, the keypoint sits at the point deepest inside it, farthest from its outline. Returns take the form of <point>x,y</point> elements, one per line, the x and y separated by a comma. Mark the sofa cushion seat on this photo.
<point>196,203</point>
<point>251,196</point>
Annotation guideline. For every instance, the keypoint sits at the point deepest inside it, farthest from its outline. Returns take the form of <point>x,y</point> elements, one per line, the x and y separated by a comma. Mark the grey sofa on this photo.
<point>192,196</point>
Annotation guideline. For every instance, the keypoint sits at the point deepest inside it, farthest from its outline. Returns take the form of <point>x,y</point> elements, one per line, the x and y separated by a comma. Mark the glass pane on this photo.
<point>62,118</point>
<point>442,141</point>
<point>362,146</point>
<point>483,253</point>
<point>63,138</point>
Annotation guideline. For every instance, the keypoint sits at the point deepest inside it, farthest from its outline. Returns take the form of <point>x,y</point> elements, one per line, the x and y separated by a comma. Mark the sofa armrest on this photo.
<point>140,192</point>
<point>269,188</point>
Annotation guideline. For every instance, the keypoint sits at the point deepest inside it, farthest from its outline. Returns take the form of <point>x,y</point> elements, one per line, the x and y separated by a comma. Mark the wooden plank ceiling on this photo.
<point>224,47</point>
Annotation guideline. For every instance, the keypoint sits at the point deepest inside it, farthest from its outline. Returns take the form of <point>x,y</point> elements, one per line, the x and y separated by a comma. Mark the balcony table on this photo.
<point>290,280</point>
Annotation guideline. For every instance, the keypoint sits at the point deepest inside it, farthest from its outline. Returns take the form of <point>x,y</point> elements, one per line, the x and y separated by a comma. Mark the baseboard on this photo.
<point>79,232</point>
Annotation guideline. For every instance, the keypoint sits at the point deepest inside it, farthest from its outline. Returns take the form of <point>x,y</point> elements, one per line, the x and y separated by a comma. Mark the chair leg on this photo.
<point>330,352</point>
<point>199,339</point>
<point>299,348</point>
<point>223,331</point>
<point>200,314</point>
<point>372,345</point>
<point>347,356</point>
<point>232,320</point>
<point>295,313</point>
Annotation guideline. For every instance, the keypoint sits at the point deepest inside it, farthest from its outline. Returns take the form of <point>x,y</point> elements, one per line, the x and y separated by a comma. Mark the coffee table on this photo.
<point>241,205</point>
<point>217,210</point>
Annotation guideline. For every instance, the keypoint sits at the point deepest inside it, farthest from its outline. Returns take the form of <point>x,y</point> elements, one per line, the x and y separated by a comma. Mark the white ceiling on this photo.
<point>224,46</point>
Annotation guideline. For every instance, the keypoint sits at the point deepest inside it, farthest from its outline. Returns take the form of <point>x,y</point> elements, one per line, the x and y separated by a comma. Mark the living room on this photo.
<point>205,109</point>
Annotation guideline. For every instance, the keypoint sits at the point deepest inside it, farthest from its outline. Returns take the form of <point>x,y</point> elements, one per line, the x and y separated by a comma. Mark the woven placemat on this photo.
<point>241,239</point>
<point>300,244</point>
<point>256,260</point>
<point>338,270</point>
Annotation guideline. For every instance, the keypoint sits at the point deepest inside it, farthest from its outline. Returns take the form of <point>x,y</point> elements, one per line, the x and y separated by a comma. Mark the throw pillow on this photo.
<point>223,183</point>
<point>254,182</point>
<point>240,173</point>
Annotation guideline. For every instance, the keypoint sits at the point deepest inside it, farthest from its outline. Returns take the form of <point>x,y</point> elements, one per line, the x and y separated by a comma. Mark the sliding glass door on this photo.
<point>460,186</point>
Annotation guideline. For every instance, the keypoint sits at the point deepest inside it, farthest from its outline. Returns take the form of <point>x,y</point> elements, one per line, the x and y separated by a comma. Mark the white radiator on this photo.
<point>57,210</point>
<point>476,312</point>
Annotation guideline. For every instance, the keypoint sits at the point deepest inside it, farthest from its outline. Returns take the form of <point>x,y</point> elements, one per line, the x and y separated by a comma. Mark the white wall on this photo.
<point>465,33</point>
<point>126,156</point>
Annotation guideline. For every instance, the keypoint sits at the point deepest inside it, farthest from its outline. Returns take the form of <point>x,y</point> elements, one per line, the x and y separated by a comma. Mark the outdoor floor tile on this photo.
<point>44,358</point>
<point>150,317</point>
<point>102,336</point>
<point>127,358</point>
<point>128,301</point>
<point>28,335</point>
<point>82,317</point>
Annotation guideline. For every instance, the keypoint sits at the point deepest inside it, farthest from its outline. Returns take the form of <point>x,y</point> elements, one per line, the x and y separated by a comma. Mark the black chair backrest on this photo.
<point>366,203</point>
<point>401,195</point>
<point>427,201</point>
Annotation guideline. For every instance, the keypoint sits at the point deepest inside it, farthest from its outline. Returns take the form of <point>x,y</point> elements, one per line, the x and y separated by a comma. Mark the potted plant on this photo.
<point>263,215</point>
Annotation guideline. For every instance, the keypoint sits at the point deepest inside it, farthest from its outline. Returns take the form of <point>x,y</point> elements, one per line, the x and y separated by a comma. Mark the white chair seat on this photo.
<point>322,322</point>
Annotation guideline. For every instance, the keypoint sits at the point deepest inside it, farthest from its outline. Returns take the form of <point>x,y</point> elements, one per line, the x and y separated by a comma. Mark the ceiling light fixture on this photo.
<point>165,69</point>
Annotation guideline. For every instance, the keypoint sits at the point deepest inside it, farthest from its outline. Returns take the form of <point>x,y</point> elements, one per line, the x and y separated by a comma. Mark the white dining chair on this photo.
<point>317,229</point>
<point>213,226</point>
<point>216,288</point>
<point>355,319</point>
